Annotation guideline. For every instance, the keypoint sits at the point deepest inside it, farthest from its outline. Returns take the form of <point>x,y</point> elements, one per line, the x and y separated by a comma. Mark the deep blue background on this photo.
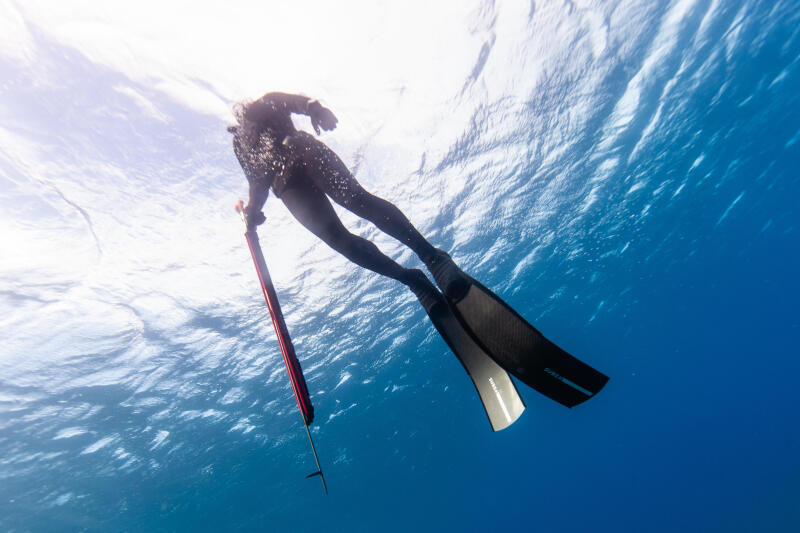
<point>680,281</point>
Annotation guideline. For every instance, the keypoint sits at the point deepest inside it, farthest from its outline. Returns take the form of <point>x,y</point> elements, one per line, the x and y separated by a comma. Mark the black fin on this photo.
<point>514,343</point>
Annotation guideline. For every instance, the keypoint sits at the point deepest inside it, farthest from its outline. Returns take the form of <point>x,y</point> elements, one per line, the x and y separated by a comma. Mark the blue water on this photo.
<point>624,174</point>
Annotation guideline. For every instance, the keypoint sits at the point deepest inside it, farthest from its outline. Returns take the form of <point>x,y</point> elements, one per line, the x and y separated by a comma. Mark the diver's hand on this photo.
<point>321,117</point>
<point>253,217</point>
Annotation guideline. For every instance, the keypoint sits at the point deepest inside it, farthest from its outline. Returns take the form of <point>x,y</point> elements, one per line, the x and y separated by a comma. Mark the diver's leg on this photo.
<point>386,216</point>
<point>331,175</point>
<point>313,210</point>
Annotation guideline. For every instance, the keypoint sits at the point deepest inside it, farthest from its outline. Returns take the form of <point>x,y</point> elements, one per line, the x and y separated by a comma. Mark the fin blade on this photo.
<point>496,390</point>
<point>521,349</point>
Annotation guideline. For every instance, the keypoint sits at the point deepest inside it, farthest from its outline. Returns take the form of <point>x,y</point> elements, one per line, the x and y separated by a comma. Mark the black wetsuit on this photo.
<point>304,172</point>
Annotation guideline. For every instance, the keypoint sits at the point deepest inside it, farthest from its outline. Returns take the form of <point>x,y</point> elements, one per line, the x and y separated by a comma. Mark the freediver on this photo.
<point>304,173</point>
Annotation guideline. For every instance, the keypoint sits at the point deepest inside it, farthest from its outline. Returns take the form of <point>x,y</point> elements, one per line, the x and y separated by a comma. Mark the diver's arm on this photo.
<point>294,103</point>
<point>258,197</point>
<point>271,103</point>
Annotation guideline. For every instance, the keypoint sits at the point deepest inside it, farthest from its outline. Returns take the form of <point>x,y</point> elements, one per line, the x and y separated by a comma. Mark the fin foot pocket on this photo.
<point>423,289</point>
<point>450,279</point>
